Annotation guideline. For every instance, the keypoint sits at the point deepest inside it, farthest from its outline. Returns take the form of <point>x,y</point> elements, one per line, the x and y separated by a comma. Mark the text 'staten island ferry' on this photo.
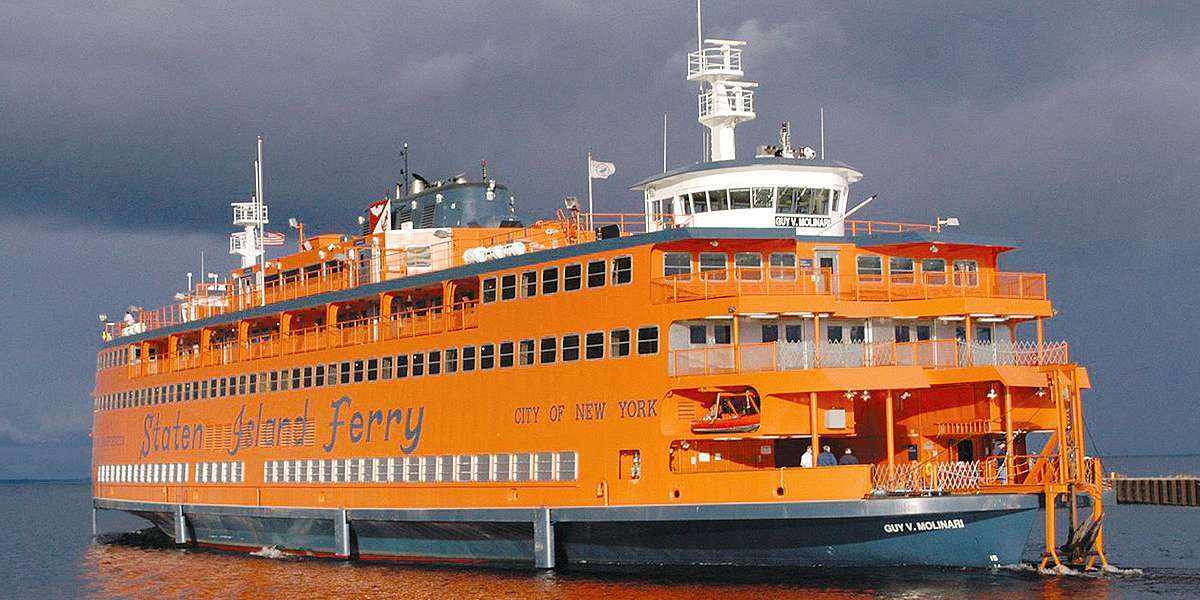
<point>460,385</point>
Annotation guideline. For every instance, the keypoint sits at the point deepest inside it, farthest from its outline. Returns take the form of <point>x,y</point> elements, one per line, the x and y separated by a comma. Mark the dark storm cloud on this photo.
<point>1070,126</point>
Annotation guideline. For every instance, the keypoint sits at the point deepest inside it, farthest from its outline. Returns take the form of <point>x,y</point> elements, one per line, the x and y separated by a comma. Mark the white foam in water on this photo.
<point>269,552</point>
<point>1065,570</point>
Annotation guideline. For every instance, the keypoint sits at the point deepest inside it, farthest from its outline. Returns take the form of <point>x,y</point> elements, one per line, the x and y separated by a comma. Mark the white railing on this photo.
<point>246,213</point>
<point>732,101</point>
<point>715,60</point>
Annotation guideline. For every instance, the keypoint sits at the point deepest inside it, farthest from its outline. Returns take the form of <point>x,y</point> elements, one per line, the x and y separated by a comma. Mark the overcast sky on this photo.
<point>126,129</point>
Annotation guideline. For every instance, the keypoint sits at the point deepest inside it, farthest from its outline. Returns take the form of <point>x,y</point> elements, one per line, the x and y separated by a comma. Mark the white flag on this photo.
<point>600,170</point>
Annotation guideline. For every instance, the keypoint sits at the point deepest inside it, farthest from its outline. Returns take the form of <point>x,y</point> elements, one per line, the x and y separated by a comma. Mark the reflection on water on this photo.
<point>131,571</point>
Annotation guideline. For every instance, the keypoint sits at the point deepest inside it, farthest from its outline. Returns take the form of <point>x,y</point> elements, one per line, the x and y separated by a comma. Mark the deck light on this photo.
<point>991,395</point>
<point>849,394</point>
<point>866,394</point>
<point>1040,392</point>
<point>905,395</point>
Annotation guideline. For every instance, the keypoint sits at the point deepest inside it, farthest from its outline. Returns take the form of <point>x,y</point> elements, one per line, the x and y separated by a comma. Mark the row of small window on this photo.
<point>785,200</point>
<point>618,271</point>
<point>206,472</point>
<point>112,358</point>
<point>617,343</point>
<point>783,265</point>
<point>529,466</point>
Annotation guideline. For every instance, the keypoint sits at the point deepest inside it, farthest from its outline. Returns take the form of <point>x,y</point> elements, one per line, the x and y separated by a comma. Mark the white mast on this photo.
<point>725,100</point>
<point>262,250</point>
<point>251,217</point>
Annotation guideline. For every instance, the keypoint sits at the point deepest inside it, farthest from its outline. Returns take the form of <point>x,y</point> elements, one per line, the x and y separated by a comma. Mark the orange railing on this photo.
<point>774,281</point>
<point>346,333</point>
<point>929,354</point>
<point>854,227</point>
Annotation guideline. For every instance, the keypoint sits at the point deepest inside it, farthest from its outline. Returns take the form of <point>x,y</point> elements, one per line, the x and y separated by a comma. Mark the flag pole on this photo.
<point>262,247</point>
<point>589,176</point>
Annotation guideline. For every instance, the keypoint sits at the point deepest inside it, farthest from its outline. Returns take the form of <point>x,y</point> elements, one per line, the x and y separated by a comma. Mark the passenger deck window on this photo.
<point>489,290</point>
<point>618,343</point>
<point>697,334</point>
<point>714,263</point>
<point>308,378</point>
<point>647,342</point>
<point>549,280</point>
<point>572,277</point>
<point>434,366</point>
<point>934,270</point>
<point>358,371</point>
<point>451,356</point>
<point>749,266</point>
<point>468,358</point>
<point>417,364</point>
<point>593,345</point>
<point>320,377</point>
<point>677,263</point>
<point>870,265</point>
<point>401,366</point>
<point>508,287</point>
<point>487,356</point>
<point>331,375</point>
<point>526,354</point>
<point>901,269</point>
<point>385,368</point>
<point>966,273</point>
<point>783,266</point>
<point>622,270</point>
<point>570,347</point>
<point>373,369</point>
<point>529,284</point>
<point>549,350</point>
<point>506,354</point>
<point>595,273</point>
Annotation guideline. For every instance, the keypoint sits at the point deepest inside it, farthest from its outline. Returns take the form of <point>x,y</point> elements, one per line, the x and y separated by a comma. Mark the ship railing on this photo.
<point>930,354</point>
<point>997,471</point>
<point>714,60</point>
<point>860,287</point>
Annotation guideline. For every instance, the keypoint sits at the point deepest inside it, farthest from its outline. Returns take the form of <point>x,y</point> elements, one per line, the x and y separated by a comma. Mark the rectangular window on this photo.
<point>549,280</point>
<point>468,358</point>
<point>549,350</point>
<point>934,270</point>
<point>762,197</point>
<point>529,284</point>
<point>966,273</point>
<point>284,380</point>
<point>451,357</point>
<point>622,270</point>
<point>434,366</point>
<point>526,354</point>
<point>507,350</point>
<point>870,266</point>
<point>677,264</point>
<point>783,266</point>
<point>572,277</point>
<point>344,373</point>
<point>570,347</point>
<point>308,376</point>
<point>418,364</point>
<point>903,333</point>
<point>697,334</point>
<point>618,340</point>
<point>320,377</point>
<point>901,269</point>
<point>401,366</point>
<point>296,378</point>
<point>358,371</point>
<point>834,334</point>
<point>739,198</point>
<point>595,273</point>
<point>221,387</point>
<point>331,375</point>
<point>508,286</point>
<point>770,333</point>
<point>700,201</point>
<point>718,200</point>
<point>647,339</point>
<point>748,265</point>
<point>274,387</point>
<point>715,263</point>
<point>858,334</point>
<point>241,385</point>
<point>385,368</point>
<point>372,369</point>
<point>593,345</point>
<point>793,333</point>
<point>487,356</point>
<point>489,290</point>
<point>722,333</point>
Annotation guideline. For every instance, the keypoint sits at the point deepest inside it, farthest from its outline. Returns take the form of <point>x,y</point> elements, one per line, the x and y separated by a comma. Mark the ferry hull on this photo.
<point>971,531</point>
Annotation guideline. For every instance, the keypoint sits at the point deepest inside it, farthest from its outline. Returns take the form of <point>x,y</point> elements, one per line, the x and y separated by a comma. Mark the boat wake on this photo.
<point>1064,570</point>
<point>270,552</point>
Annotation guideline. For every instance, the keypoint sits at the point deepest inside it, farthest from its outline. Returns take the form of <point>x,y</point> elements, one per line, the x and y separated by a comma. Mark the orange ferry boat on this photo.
<point>739,375</point>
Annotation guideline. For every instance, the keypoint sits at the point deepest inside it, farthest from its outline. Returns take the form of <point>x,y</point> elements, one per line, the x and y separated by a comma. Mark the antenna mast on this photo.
<point>822,133</point>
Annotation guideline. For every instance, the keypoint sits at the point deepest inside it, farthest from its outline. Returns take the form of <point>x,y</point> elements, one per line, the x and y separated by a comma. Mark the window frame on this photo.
<point>588,345</point>
<point>567,278</point>
<point>615,277</point>
<point>657,340</point>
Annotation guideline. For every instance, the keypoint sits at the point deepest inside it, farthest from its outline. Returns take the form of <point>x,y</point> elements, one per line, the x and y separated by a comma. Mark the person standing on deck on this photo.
<point>806,460</point>
<point>826,458</point>
<point>848,458</point>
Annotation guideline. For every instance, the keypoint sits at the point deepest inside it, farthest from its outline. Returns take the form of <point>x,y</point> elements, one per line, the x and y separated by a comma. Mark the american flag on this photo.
<point>272,238</point>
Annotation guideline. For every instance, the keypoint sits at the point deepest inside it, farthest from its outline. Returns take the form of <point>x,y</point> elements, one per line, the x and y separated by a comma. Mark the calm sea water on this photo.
<point>47,553</point>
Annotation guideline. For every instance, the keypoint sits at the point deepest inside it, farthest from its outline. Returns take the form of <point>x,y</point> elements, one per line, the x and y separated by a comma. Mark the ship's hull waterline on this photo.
<point>970,531</point>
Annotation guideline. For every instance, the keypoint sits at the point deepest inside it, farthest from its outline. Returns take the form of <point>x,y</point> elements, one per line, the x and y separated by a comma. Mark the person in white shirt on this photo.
<point>807,459</point>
